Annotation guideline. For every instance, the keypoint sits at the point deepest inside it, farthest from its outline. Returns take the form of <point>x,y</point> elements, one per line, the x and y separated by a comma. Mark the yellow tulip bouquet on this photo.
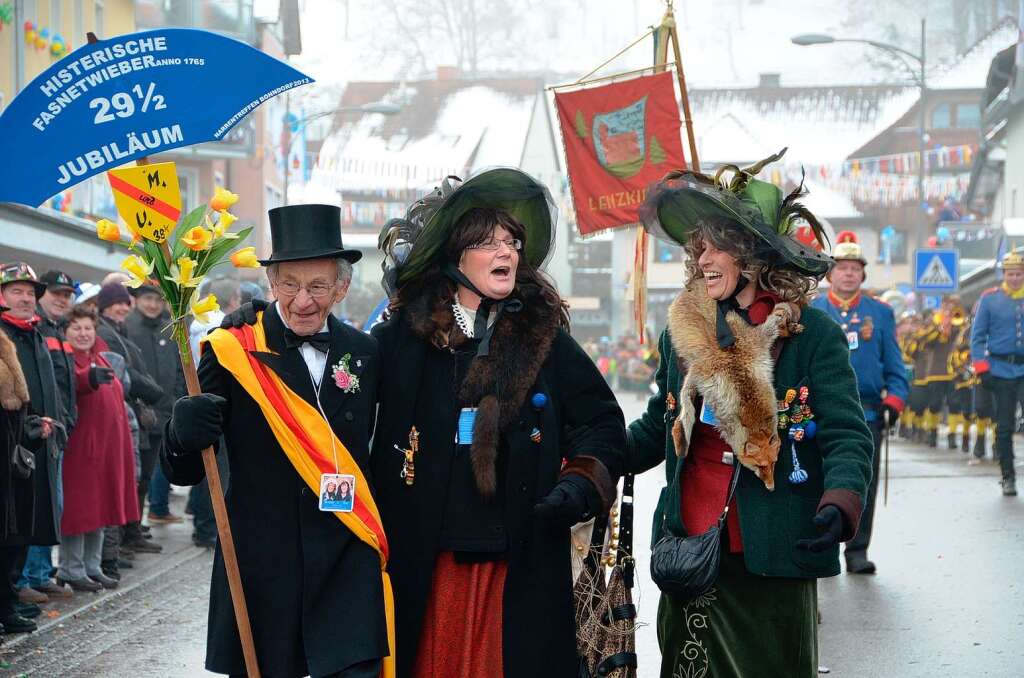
<point>178,264</point>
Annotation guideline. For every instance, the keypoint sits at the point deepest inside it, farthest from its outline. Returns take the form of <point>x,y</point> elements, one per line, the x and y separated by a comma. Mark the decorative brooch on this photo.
<point>867,329</point>
<point>408,473</point>
<point>343,377</point>
<point>796,415</point>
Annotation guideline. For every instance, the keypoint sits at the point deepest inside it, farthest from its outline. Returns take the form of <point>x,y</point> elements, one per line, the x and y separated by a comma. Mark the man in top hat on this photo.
<point>870,330</point>
<point>997,351</point>
<point>294,398</point>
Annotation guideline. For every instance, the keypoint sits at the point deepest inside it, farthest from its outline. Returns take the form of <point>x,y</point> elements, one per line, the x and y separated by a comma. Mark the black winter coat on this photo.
<point>529,354</point>
<point>63,368</point>
<point>34,359</point>
<point>143,387</point>
<point>314,590</point>
<point>17,495</point>
<point>160,356</point>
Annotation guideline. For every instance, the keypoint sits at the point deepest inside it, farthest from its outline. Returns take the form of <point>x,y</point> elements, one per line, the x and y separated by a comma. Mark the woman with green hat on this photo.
<point>496,433</point>
<point>758,420</point>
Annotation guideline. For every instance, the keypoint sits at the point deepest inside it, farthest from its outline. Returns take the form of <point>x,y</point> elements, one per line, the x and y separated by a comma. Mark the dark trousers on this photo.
<point>148,458</point>
<point>12,562</point>
<point>860,542</point>
<point>202,507</point>
<point>1007,393</point>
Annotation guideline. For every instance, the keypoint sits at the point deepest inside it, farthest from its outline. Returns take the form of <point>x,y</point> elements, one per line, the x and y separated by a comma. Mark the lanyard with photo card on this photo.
<point>337,490</point>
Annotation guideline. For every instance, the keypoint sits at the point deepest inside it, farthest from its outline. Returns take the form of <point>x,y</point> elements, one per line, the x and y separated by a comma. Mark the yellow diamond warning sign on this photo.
<point>147,198</point>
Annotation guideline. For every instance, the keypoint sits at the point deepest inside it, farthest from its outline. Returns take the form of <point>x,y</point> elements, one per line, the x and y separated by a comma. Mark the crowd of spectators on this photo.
<point>89,373</point>
<point>626,364</point>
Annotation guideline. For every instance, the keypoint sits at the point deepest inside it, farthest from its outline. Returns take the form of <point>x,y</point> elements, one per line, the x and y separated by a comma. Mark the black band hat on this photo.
<point>302,232</point>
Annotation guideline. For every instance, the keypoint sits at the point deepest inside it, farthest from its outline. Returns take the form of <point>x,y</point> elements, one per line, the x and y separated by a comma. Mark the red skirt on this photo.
<point>462,627</point>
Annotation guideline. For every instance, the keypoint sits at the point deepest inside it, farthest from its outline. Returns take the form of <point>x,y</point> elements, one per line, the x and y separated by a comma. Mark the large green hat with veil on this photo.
<point>676,205</point>
<point>412,244</point>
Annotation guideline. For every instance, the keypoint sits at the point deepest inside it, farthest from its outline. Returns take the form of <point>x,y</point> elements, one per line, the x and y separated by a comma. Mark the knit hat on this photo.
<point>112,293</point>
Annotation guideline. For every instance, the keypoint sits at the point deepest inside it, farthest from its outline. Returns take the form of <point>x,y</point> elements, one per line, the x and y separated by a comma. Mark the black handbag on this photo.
<point>688,566</point>
<point>23,462</point>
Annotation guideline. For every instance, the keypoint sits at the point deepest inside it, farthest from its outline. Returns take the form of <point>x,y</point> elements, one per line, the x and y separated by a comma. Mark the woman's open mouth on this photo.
<point>502,273</point>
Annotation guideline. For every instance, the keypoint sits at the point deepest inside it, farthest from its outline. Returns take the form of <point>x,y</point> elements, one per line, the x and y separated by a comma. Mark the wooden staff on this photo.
<point>220,509</point>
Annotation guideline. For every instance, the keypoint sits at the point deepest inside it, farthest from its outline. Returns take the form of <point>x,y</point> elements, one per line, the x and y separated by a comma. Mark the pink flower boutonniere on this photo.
<point>343,377</point>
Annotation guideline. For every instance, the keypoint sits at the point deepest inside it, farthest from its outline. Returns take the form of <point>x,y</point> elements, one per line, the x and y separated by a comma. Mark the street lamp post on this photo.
<point>381,107</point>
<point>809,39</point>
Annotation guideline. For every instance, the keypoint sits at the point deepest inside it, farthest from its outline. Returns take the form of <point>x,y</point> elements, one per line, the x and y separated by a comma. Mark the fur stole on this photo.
<point>13,390</point>
<point>499,383</point>
<point>737,382</point>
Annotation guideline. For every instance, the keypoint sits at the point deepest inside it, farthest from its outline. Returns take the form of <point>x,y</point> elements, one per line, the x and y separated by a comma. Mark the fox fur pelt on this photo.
<point>735,381</point>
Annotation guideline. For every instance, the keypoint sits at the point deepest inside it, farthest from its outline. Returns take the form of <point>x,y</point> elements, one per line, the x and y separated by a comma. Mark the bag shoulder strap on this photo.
<point>733,482</point>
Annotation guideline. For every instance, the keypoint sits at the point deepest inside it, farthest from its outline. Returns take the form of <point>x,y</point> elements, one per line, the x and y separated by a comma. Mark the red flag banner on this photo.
<point>619,139</point>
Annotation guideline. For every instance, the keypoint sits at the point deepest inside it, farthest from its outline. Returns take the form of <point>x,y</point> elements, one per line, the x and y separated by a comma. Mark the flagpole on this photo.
<point>669,24</point>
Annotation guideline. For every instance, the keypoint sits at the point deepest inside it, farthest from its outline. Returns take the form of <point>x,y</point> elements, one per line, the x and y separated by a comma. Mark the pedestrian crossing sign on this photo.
<point>937,271</point>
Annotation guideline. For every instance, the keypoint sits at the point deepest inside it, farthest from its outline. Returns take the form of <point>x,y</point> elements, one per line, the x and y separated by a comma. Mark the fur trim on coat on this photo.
<point>737,382</point>
<point>497,384</point>
<point>13,390</point>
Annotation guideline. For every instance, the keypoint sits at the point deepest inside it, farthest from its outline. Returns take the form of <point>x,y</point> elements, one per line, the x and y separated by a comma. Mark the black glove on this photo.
<point>573,500</point>
<point>197,422</point>
<point>244,315</point>
<point>987,380</point>
<point>890,415</point>
<point>829,522</point>
<point>34,428</point>
<point>99,375</point>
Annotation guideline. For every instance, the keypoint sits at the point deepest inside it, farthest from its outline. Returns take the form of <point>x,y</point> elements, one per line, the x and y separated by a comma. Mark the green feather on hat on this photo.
<point>675,206</point>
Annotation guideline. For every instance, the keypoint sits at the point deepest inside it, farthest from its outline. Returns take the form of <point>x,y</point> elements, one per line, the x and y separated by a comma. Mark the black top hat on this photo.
<point>299,232</point>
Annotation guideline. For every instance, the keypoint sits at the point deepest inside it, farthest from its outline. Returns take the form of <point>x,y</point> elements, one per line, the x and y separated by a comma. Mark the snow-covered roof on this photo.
<point>443,127</point>
<point>818,124</point>
<point>970,71</point>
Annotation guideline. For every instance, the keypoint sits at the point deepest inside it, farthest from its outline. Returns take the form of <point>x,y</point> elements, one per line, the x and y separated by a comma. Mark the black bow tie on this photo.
<point>321,341</point>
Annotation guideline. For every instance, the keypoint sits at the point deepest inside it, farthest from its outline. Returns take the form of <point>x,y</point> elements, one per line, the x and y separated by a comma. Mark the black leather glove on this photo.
<point>197,421</point>
<point>99,375</point>
<point>829,522</point>
<point>573,500</point>
<point>244,314</point>
<point>987,380</point>
<point>890,415</point>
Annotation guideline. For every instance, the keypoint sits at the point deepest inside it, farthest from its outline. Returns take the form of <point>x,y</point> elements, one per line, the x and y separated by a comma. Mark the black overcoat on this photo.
<point>63,367</point>
<point>530,354</point>
<point>159,352</point>
<point>313,589</point>
<point>36,365</point>
<point>17,495</point>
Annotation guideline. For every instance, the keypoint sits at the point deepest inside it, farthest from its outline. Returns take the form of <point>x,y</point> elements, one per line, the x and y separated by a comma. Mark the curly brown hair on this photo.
<point>473,228</point>
<point>755,258</point>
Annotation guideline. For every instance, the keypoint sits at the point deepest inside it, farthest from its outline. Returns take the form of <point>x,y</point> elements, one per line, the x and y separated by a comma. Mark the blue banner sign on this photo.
<point>113,101</point>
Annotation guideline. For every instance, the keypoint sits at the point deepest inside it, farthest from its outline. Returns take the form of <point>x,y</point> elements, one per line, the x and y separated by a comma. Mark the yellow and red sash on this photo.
<point>306,439</point>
